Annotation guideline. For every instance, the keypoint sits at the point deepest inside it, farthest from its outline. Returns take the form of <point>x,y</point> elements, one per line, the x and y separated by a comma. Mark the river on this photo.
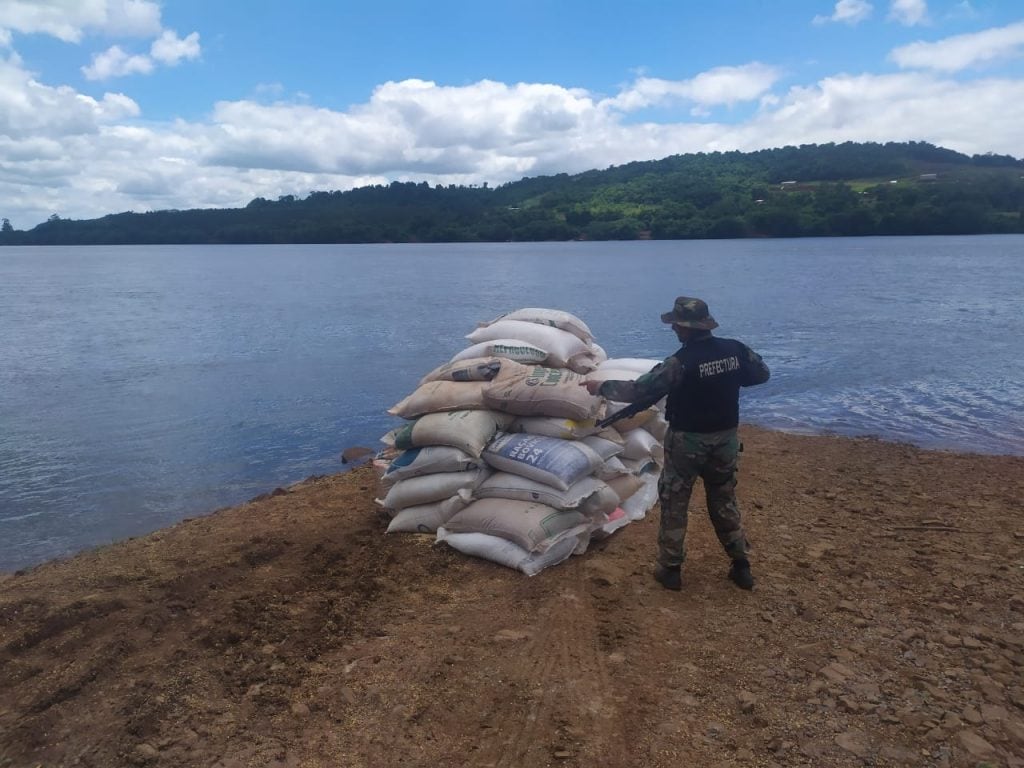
<point>142,385</point>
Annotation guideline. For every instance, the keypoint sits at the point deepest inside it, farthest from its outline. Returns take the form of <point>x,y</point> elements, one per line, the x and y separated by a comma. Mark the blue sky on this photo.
<point>112,105</point>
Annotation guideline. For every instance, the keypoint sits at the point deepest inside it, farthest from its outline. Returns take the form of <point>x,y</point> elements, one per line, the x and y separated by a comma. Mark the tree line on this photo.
<point>846,189</point>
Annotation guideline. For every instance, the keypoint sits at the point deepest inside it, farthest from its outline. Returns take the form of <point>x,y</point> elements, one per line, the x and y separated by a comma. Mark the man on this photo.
<point>702,381</point>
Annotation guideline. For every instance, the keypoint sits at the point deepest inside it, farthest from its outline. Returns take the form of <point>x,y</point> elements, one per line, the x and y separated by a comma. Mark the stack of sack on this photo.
<point>501,454</point>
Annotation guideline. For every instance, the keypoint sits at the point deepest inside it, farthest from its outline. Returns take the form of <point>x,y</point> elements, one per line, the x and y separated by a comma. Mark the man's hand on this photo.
<point>593,387</point>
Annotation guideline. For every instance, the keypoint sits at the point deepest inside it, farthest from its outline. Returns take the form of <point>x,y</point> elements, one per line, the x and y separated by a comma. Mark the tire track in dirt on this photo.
<point>573,711</point>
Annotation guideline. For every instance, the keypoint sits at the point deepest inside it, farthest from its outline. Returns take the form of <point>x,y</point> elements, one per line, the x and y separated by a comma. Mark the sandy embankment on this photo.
<point>887,629</point>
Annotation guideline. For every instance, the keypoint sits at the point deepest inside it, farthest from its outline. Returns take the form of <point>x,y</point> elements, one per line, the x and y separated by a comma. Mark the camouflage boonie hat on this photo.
<point>690,313</point>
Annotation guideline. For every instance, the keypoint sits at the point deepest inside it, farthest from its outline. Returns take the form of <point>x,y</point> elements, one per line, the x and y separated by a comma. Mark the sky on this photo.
<point>140,105</point>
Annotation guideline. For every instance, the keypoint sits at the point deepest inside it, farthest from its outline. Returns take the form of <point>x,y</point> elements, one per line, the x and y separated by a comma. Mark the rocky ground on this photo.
<point>887,629</point>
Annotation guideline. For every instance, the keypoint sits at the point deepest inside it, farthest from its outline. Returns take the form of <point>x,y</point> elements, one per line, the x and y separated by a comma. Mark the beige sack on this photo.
<point>625,485</point>
<point>539,391</point>
<point>469,431</point>
<point>470,369</point>
<point>439,396</point>
<point>534,527</point>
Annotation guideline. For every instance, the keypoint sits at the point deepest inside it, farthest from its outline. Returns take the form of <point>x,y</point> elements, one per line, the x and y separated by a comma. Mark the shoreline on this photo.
<point>887,625</point>
<point>355,464</point>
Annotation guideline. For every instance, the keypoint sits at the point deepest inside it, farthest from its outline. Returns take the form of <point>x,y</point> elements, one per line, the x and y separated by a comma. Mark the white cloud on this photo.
<point>114,62</point>
<point>719,86</point>
<point>909,12</point>
<point>69,20</point>
<point>963,51</point>
<point>29,108</point>
<point>850,12</point>
<point>170,49</point>
<point>63,152</point>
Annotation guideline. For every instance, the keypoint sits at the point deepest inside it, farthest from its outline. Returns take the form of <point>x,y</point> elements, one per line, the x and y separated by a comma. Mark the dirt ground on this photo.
<point>887,628</point>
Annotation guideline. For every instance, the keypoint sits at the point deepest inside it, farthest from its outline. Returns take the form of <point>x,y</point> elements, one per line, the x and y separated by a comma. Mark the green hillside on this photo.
<point>813,190</point>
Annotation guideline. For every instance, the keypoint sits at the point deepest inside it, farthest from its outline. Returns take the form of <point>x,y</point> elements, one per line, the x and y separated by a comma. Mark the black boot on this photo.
<point>669,578</point>
<point>740,573</point>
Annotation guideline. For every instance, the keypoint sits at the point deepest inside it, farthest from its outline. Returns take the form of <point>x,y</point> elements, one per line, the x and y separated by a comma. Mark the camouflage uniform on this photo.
<point>692,448</point>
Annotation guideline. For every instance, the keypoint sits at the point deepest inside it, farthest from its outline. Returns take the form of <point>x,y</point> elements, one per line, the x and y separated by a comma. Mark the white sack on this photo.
<point>640,466</point>
<point>611,468</point>
<point>430,488</point>
<point>535,527</point>
<point>589,495</point>
<point>425,461</point>
<point>613,374</point>
<point>558,463</point>
<point>639,504</point>
<point>641,444</point>
<point>658,427</point>
<point>603,447</point>
<point>510,349</point>
<point>639,419</point>
<point>639,365</point>
<point>556,318</point>
<point>507,553</point>
<point>426,518</point>
<point>616,520</point>
<point>552,426</point>
<point>469,431</point>
<point>561,345</point>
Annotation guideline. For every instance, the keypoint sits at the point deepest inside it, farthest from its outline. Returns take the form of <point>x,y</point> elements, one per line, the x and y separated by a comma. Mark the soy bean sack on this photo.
<point>561,345</point>
<point>469,431</point>
<point>641,501</point>
<point>427,518</point>
<point>637,365</point>
<point>439,396</point>
<point>508,349</point>
<point>534,527</point>
<point>469,369</point>
<point>626,485</point>
<point>603,446</point>
<point>556,318</point>
<point>431,488</point>
<point>641,444</point>
<point>617,519</point>
<point>553,426</point>
<point>507,553</point>
<point>548,460</point>
<point>589,495</point>
<point>540,391</point>
<point>633,422</point>
<point>417,462</point>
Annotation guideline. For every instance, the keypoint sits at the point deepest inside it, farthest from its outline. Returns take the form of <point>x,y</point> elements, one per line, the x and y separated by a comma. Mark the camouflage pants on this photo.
<point>712,456</point>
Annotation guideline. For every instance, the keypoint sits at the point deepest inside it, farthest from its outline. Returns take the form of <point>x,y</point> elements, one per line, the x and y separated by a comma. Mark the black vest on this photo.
<point>708,397</point>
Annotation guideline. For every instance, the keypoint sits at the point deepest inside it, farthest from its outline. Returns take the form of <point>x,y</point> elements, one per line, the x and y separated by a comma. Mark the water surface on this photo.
<point>141,385</point>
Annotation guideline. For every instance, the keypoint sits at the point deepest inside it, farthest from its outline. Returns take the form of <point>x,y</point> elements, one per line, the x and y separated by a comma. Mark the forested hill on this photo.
<point>813,190</point>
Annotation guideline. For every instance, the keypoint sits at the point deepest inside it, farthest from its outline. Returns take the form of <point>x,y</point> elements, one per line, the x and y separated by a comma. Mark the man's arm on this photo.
<point>752,367</point>
<point>654,384</point>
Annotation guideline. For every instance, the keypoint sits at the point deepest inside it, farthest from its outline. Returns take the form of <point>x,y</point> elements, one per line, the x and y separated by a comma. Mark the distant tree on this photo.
<point>6,226</point>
